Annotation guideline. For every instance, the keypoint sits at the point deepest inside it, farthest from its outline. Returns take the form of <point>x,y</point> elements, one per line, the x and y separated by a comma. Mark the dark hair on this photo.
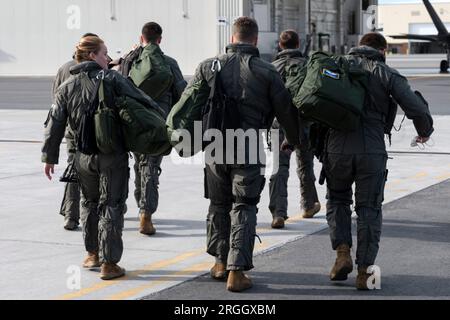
<point>245,29</point>
<point>374,40</point>
<point>289,39</point>
<point>89,35</point>
<point>151,31</point>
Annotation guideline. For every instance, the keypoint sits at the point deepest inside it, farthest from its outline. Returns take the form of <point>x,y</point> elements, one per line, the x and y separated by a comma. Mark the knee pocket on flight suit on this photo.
<point>375,196</point>
<point>214,191</point>
<point>114,191</point>
<point>241,236</point>
<point>248,200</point>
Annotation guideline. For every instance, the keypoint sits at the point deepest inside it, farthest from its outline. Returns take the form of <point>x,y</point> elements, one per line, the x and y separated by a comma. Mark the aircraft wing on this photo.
<point>431,38</point>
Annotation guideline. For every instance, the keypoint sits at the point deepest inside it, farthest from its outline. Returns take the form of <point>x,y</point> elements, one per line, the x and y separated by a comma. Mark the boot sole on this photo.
<point>220,276</point>
<point>230,288</point>
<point>342,274</point>
<point>70,228</point>
<point>147,233</point>
<point>311,215</point>
<point>110,277</point>
<point>92,266</point>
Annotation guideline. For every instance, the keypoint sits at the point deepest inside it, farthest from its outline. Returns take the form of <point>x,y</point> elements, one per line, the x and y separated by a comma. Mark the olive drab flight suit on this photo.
<point>304,157</point>
<point>234,189</point>
<point>103,178</point>
<point>147,168</point>
<point>360,157</point>
<point>70,206</point>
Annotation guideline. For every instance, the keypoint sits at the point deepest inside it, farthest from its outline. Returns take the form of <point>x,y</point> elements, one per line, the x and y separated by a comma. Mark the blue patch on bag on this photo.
<point>331,74</point>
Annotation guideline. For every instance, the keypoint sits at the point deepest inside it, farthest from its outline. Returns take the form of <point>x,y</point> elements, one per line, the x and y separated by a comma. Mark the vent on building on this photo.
<point>415,13</point>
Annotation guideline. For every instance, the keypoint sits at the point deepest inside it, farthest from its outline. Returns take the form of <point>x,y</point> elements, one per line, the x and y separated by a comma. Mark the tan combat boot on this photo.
<point>111,271</point>
<point>146,225</point>
<point>308,214</point>
<point>219,271</point>
<point>238,281</point>
<point>91,260</point>
<point>343,265</point>
<point>278,223</point>
<point>361,279</point>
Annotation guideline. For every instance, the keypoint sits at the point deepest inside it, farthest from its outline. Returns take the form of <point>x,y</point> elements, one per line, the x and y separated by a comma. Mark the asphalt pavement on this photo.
<point>414,260</point>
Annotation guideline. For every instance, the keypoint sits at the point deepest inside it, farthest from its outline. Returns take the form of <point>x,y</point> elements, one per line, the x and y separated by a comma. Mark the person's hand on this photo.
<point>422,139</point>
<point>49,169</point>
<point>286,147</point>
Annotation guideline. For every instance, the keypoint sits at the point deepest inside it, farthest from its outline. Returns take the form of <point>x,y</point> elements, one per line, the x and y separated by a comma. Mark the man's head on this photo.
<point>289,40</point>
<point>245,29</point>
<point>151,33</point>
<point>374,40</point>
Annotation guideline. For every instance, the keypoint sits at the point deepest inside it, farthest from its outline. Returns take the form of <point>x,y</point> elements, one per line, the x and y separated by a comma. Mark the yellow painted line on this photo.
<point>299,217</point>
<point>292,220</point>
<point>130,275</point>
<point>393,183</point>
<point>159,265</point>
<point>444,176</point>
<point>154,266</point>
<point>425,77</point>
<point>172,277</point>
<point>201,267</point>
<point>420,175</point>
<point>402,190</point>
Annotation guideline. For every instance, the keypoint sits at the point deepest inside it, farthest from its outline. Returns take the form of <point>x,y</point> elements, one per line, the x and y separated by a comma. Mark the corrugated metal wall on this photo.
<point>227,12</point>
<point>37,36</point>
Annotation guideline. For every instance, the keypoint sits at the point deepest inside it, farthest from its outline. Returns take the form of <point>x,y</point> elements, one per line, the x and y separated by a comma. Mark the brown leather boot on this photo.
<point>91,260</point>
<point>361,279</point>
<point>343,265</point>
<point>238,281</point>
<point>308,214</point>
<point>111,271</point>
<point>219,271</point>
<point>146,225</point>
<point>278,223</point>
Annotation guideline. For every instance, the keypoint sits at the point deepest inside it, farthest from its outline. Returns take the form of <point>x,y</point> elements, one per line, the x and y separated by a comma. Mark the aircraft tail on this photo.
<point>436,20</point>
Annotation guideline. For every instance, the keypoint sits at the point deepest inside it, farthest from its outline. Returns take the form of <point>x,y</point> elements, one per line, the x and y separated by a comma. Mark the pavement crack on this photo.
<point>42,242</point>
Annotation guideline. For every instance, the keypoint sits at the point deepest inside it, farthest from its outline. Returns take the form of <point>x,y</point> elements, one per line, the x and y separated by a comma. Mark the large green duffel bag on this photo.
<point>183,115</point>
<point>151,73</point>
<point>144,129</point>
<point>333,92</point>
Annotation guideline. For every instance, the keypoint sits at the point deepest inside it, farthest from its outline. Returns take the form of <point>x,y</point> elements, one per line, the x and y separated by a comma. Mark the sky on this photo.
<point>408,1</point>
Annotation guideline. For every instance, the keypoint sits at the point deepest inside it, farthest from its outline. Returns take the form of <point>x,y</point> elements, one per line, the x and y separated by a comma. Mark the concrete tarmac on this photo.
<point>40,259</point>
